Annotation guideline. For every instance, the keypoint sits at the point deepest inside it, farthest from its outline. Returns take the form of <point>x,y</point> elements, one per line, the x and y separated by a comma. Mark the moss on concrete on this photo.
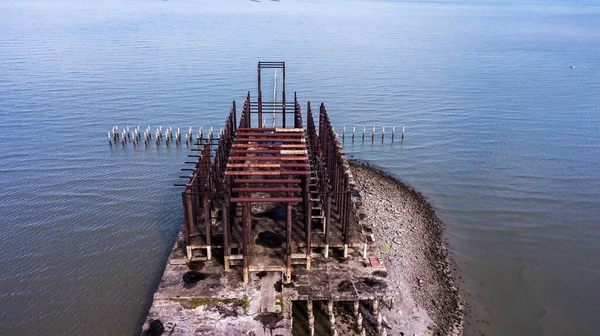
<point>195,302</point>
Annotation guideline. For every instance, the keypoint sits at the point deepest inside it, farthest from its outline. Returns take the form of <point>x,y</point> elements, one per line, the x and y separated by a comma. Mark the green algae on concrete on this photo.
<point>195,302</point>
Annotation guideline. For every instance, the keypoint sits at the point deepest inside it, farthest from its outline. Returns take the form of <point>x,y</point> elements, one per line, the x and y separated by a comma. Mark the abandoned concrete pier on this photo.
<point>272,224</point>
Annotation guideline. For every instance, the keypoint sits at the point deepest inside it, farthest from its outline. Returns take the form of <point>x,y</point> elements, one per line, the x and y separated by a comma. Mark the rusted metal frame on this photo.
<point>297,116</point>
<point>239,145</point>
<point>191,208</point>
<point>334,168</point>
<point>268,129</point>
<point>266,199</point>
<point>288,245</point>
<point>259,98</point>
<point>222,151</point>
<point>186,219</point>
<point>266,190</point>
<point>269,103</point>
<point>268,158</point>
<point>289,109</point>
<point>270,151</point>
<point>268,181</point>
<point>246,112</point>
<point>308,216</point>
<point>293,140</point>
<point>327,216</point>
<point>245,228</point>
<point>268,165</point>
<point>234,113</point>
<point>272,65</point>
<point>207,220</point>
<point>342,209</point>
<point>283,97</point>
<point>272,173</point>
<point>242,122</point>
<point>226,220</point>
<point>270,135</point>
<point>232,206</point>
<point>226,225</point>
<point>348,218</point>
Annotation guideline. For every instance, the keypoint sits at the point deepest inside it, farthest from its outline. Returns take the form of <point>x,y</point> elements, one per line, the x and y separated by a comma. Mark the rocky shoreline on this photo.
<point>410,233</point>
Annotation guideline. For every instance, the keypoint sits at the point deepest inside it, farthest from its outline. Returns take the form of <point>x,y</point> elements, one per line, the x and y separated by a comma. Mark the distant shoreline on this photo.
<point>415,255</point>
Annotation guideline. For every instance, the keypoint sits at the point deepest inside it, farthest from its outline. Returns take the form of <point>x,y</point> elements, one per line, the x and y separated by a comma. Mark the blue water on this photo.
<point>501,135</point>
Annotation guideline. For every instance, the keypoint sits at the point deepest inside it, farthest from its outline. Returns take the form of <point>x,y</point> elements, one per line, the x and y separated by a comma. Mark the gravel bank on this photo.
<point>417,261</point>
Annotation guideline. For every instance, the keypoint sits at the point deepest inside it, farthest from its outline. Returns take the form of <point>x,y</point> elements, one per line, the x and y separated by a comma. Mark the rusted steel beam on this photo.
<point>268,145</point>
<point>233,112</point>
<point>191,212</point>
<point>291,181</point>
<point>288,140</point>
<point>266,189</point>
<point>327,217</point>
<point>308,215</point>
<point>268,158</point>
<point>246,220</point>
<point>270,151</point>
<point>186,229</point>
<point>277,129</point>
<point>269,135</point>
<point>270,173</point>
<point>207,221</point>
<point>347,214</point>
<point>288,245</point>
<point>266,199</point>
<point>226,233</point>
<point>268,165</point>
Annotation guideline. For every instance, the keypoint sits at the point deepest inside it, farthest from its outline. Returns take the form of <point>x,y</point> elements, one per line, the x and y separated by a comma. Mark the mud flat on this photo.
<point>417,261</point>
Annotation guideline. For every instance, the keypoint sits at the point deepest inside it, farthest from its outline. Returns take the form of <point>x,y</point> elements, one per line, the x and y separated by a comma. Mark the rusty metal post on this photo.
<point>347,226</point>
<point>245,240</point>
<point>186,220</point>
<point>288,248</point>
<point>207,223</point>
<point>226,232</point>
<point>283,97</point>
<point>308,218</point>
<point>327,222</point>
<point>234,116</point>
<point>191,220</point>
<point>247,111</point>
<point>259,99</point>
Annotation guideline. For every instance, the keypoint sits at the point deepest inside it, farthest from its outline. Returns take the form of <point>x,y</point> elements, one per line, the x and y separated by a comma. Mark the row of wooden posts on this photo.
<point>373,134</point>
<point>135,136</point>
<point>160,135</point>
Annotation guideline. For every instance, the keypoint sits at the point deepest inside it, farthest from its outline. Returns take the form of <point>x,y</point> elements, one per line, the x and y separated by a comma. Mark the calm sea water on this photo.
<point>501,134</point>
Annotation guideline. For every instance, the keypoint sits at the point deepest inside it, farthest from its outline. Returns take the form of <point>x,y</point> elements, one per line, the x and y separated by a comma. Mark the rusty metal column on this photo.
<point>288,248</point>
<point>234,117</point>
<point>259,99</point>
<point>207,223</point>
<point>226,232</point>
<point>191,220</point>
<point>283,98</point>
<point>327,222</point>
<point>308,217</point>
<point>247,111</point>
<point>245,240</point>
<point>186,220</point>
<point>347,221</point>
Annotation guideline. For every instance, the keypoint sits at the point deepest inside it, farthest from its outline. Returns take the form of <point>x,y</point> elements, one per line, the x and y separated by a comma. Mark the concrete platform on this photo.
<point>221,304</point>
